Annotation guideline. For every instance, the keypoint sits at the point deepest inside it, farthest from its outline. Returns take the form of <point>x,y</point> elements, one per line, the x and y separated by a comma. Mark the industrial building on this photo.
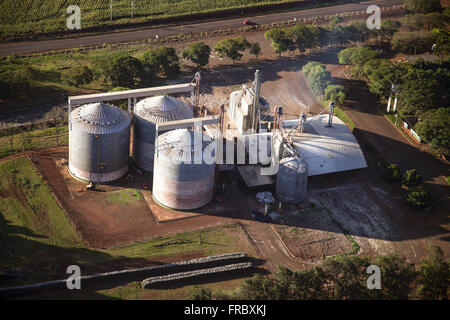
<point>169,141</point>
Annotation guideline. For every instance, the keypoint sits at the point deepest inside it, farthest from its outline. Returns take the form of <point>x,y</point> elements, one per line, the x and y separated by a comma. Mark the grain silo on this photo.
<point>292,180</point>
<point>148,113</point>
<point>99,142</point>
<point>184,169</point>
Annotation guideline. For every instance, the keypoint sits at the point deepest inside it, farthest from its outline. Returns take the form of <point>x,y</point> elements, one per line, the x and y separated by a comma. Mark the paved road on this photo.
<point>124,36</point>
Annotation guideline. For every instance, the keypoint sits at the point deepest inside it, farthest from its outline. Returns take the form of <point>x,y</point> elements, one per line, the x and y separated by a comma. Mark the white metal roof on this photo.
<point>163,108</point>
<point>327,150</point>
<point>100,118</point>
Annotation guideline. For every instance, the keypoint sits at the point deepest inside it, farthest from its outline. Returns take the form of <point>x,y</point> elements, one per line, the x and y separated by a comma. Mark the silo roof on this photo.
<point>184,145</point>
<point>99,118</point>
<point>162,109</point>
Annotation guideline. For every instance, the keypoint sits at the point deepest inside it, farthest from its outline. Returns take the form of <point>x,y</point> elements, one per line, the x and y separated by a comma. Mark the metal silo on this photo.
<point>183,176</point>
<point>148,113</point>
<point>292,180</point>
<point>99,142</point>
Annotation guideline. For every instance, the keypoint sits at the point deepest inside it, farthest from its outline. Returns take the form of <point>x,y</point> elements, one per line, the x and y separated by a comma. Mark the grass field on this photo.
<point>18,18</point>
<point>37,237</point>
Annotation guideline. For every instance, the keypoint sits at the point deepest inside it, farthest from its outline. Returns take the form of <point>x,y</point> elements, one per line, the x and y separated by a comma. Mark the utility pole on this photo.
<point>132,9</point>
<point>110,8</point>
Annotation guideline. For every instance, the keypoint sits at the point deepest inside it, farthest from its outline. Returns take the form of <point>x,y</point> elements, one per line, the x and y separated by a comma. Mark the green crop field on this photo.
<point>19,18</point>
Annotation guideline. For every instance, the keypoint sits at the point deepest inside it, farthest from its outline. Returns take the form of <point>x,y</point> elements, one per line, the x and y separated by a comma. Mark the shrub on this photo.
<point>418,197</point>
<point>15,82</point>
<point>335,93</point>
<point>392,173</point>
<point>423,6</point>
<point>411,178</point>
<point>255,49</point>
<point>434,127</point>
<point>412,42</point>
<point>359,55</point>
<point>79,75</point>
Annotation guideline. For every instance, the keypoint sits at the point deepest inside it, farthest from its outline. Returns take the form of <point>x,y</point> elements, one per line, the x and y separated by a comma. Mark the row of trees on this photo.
<point>304,37</point>
<point>123,70</point>
<point>345,278</point>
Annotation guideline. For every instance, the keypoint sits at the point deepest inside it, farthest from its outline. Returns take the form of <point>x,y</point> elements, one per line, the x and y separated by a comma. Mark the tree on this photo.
<point>162,60</point>
<point>231,48</point>
<point>198,53</point>
<point>335,93</point>
<point>381,74</point>
<point>397,277</point>
<point>359,31</point>
<point>302,37</point>
<point>423,6</point>
<point>441,39</point>
<point>121,70</point>
<point>411,178</point>
<point>419,95</point>
<point>358,55</point>
<point>392,173</point>
<point>346,277</point>
<point>79,75</point>
<point>418,197</point>
<point>412,42</point>
<point>318,77</point>
<point>388,29</point>
<point>434,277</point>
<point>255,49</point>
<point>413,21</point>
<point>280,41</point>
<point>434,127</point>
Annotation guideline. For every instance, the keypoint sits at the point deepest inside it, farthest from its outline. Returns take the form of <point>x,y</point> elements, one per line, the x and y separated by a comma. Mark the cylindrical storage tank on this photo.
<point>292,180</point>
<point>184,169</point>
<point>148,113</point>
<point>99,142</point>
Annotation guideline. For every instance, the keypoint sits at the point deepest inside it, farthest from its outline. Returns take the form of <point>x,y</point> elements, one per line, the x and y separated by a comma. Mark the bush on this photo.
<point>121,70</point>
<point>418,197</point>
<point>434,127</point>
<point>335,93</point>
<point>359,55</point>
<point>434,276</point>
<point>392,173</point>
<point>162,60</point>
<point>255,49</point>
<point>16,82</point>
<point>412,42</point>
<point>411,178</point>
<point>79,75</point>
<point>198,53</point>
<point>423,6</point>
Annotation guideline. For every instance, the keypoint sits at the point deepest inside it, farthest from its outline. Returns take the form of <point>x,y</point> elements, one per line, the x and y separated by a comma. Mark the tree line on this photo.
<point>345,278</point>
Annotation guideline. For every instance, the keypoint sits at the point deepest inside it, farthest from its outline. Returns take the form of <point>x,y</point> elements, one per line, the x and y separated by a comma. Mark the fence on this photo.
<point>22,142</point>
<point>385,11</point>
